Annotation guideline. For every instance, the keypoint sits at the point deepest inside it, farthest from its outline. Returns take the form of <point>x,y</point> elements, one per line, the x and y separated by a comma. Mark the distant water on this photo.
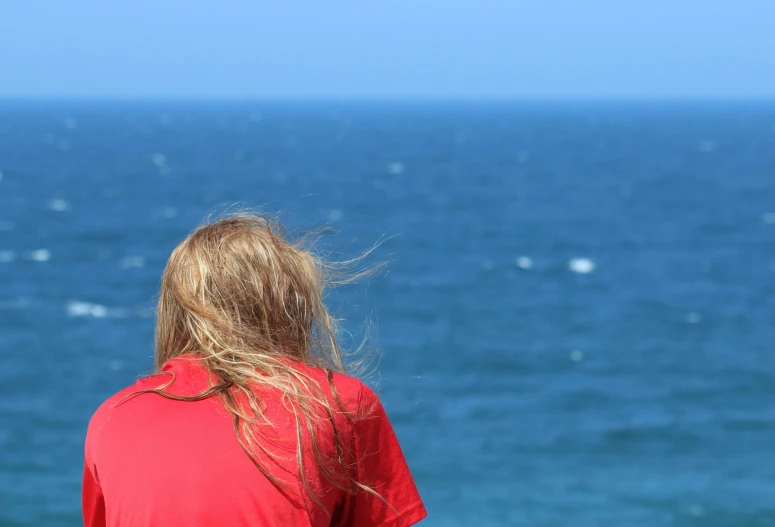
<point>577,325</point>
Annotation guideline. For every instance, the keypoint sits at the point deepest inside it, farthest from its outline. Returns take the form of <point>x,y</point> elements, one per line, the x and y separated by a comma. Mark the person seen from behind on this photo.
<point>248,419</point>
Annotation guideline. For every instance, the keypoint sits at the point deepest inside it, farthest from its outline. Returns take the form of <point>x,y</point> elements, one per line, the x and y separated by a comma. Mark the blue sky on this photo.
<point>388,49</point>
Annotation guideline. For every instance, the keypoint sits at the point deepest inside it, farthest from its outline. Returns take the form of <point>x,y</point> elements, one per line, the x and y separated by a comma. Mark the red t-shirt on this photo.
<point>153,461</point>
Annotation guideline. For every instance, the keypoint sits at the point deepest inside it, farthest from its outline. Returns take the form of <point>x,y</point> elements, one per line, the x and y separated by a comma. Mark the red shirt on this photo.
<point>152,461</point>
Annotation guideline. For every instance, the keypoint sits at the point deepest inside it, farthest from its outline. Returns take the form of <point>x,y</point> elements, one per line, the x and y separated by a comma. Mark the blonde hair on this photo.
<point>244,300</point>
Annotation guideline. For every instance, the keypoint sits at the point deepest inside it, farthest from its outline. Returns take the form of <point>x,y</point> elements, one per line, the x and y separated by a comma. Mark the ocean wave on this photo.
<point>80,309</point>
<point>58,205</point>
<point>40,255</point>
<point>581,265</point>
<point>77,308</point>
<point>132,261</point>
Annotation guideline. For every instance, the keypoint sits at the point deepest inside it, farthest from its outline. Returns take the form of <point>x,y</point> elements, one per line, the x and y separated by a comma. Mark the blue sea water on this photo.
<point>576,324</point>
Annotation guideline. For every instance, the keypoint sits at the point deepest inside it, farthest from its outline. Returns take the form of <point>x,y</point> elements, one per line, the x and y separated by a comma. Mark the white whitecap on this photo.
<point>6,256</point>
<point>40,255</point>
<point>396,168</point>
<point>581,265</point>
<point>132,261</point>
<point>58,205</point>
<point>576,355</point>
<point>77,308</point>
<point>524,262</point>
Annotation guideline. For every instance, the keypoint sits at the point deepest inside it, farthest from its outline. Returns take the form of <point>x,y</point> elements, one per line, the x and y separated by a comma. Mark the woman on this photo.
<point>248,419</point>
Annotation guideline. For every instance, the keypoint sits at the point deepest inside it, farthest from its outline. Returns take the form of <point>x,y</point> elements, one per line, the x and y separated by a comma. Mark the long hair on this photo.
<point>247,302</point>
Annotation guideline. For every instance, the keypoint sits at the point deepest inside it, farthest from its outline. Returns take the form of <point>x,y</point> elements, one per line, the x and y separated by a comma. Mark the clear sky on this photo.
<point>390,48</point>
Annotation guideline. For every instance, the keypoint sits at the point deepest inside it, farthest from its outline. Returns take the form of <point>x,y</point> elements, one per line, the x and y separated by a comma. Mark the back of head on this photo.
<point>236,291</point>
<point>245,300</point>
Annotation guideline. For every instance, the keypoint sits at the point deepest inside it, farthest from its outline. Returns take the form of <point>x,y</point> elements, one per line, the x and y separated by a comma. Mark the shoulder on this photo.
<point>350,391</point>
<point>104,412</point>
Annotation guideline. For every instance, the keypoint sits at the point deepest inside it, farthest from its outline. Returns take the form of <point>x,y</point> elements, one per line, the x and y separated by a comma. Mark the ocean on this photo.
<point>575,326</point>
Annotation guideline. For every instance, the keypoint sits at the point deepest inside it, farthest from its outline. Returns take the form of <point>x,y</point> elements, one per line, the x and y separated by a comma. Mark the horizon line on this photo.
<point>388,99</point>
